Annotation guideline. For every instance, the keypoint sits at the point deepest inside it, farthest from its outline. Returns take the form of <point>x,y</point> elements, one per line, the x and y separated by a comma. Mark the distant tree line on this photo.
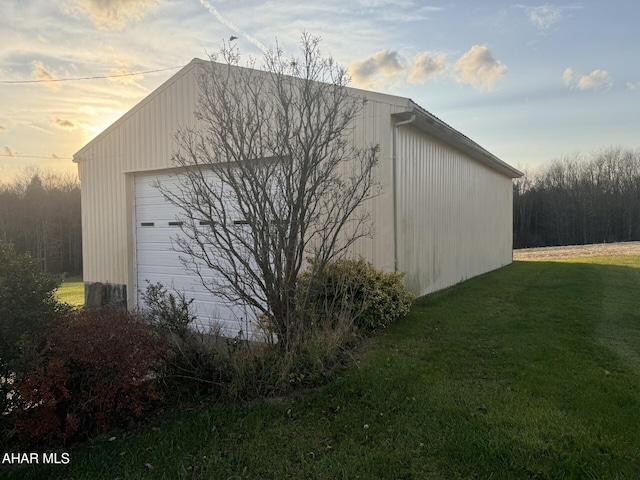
<point>579,200</point>
<point>40,215</point>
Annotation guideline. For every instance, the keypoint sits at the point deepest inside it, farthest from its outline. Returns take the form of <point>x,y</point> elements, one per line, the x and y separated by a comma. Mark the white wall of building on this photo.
<point>454,213</point>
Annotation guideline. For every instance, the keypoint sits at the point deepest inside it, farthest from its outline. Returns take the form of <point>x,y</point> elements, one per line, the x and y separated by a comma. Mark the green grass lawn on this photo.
<point>532,371</point>
<point>71,291</point>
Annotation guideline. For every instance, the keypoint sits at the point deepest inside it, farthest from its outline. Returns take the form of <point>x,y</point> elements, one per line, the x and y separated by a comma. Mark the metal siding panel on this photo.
<point>139,141</point>
<point>373,127</point>
<point>455,214</point>
<point>143,140</point>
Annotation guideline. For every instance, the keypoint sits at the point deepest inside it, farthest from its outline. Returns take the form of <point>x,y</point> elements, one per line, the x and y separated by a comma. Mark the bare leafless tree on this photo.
<point>579,199</point>
<point>40,215</point>
<point>269,176</point>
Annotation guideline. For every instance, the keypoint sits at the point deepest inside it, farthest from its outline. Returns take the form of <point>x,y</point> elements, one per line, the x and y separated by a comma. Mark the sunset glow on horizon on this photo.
<point>529,83</point>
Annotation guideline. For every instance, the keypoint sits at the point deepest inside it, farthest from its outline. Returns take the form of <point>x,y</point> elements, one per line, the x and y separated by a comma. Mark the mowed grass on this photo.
<point>72,292</point>
<point>531,371</point>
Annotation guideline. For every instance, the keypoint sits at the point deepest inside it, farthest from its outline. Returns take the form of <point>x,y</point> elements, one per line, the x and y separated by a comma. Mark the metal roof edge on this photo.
<point>375,96</point>
<point>172,79</point>
<point>431,124</point>
<point>425,121</point>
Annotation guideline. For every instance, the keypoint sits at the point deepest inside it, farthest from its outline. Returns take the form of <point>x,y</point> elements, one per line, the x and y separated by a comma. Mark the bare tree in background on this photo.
<point>579,199</point>
<point>271,176</point>
<point>40,214</point>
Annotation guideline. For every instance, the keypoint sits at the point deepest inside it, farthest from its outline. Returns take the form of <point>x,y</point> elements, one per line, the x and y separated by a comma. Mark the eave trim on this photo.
<point>432,125</point>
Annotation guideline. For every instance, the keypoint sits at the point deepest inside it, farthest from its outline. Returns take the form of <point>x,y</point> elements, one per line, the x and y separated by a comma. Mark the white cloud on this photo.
<point>11,152</point>
<point>479,68</point>
<point>633,85</point>
<point>41,72</point>
<point>114,14</point>
<point>544,16</point>
<point>427,65</point>
<point>381,68</point>
<point>386,67</point>
<point>122,67</point>
<point>596,79</point>
<point>568,77</point>
<point>386,3</point>
<point>88,110</point>
<point>213,11</point>
<point>399,10</point>
<point>65,124</point>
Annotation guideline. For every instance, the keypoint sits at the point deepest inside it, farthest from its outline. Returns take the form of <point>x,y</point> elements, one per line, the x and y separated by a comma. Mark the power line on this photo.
<point>33,156</point>
<point>74,79</point>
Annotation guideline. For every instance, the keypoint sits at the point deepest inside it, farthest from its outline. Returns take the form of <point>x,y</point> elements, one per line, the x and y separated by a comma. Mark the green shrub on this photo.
<point>203,363</point>
<point>194,364</point>
<point>266,370</point>
<point>167,311</point>
<point>27,300</point>
<point>348,295</point>
<point>93,370</point>
<point>371,298</point>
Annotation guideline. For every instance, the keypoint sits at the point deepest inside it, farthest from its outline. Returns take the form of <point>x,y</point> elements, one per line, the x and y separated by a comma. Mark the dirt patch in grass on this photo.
<point>594,250</point>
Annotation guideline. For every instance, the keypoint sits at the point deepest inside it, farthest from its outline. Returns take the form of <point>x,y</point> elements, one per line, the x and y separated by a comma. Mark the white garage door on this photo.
<point>157,223</point>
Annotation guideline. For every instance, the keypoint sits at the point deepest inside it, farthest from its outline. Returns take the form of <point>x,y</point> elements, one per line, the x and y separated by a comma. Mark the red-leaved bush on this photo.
<point>93,370</point>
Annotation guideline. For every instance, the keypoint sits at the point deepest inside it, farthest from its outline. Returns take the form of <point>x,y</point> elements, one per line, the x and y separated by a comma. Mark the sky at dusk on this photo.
<point>530,82</point>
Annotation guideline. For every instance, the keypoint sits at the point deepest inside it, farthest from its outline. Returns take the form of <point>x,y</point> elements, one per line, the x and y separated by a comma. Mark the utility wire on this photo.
<point>32,156</point>
<point>90,78</point>
<point>72,80</point>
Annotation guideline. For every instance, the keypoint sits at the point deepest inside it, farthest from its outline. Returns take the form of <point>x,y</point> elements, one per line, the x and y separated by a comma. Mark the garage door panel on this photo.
<point>190,284</point>
<point>176,273</point>
<point>163,257</point>
<point>158,213</point>
<point>156,242</point>
<point>156,261</point>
